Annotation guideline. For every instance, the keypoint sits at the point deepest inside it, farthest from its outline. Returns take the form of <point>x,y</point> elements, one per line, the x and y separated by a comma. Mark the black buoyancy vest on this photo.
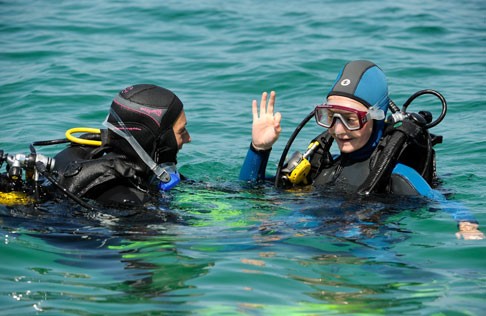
<point>408,144</point>
<point>344,173</point>
<point>88,172</point>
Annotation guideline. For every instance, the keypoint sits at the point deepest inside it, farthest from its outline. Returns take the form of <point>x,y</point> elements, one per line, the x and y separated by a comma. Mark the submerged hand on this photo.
<point>469,231</point>
<point>266,126</point>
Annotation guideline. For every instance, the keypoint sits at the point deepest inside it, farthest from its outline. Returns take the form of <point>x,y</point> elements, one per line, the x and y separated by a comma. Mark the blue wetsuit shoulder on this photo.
<point>407,181</point>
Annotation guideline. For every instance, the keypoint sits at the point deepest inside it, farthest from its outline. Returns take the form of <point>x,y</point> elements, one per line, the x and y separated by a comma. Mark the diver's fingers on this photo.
<point>276,122</point>
<point>271,102</point>
<point>263,104</point>
<point>254,110</point>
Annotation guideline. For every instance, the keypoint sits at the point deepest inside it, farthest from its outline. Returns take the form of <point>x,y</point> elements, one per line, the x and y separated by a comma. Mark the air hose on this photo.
<point>278,177</point>
<point>83,141</point>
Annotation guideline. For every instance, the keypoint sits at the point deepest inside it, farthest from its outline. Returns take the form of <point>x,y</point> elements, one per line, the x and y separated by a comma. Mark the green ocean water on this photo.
<point>217,246</point>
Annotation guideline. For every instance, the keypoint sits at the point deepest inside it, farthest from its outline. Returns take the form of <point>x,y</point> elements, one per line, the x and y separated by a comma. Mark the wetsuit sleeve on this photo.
<point>255,164</point>
<point>406,180</point>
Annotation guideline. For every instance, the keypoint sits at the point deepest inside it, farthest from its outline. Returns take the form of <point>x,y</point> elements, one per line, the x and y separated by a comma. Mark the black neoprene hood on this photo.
<point>145,111</point>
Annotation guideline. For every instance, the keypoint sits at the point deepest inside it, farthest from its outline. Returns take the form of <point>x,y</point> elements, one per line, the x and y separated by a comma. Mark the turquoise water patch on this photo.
<point>217,246</point>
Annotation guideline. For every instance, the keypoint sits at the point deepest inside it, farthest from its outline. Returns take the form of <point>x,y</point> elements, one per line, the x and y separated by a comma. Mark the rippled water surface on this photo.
<point>217,246</point>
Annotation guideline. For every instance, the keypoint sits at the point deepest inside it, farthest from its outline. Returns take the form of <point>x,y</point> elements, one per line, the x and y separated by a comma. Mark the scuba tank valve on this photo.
<point>16,163</point>
<point>423,118</point>
<point>17,187</point>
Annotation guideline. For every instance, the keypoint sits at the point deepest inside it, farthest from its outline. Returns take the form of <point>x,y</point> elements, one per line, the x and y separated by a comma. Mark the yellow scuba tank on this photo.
<point>15,198</point>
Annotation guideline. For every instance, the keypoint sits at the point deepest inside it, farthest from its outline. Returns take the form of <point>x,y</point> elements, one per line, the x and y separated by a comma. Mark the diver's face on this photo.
<point>349,141</point>
<point>181,134</point>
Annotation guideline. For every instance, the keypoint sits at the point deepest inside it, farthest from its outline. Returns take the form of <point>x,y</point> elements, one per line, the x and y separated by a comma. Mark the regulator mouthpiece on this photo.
<point>169,176</point>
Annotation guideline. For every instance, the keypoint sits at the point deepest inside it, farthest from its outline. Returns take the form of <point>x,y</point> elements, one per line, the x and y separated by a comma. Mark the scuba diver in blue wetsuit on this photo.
<point>134,156</point>
<point>377,155</point>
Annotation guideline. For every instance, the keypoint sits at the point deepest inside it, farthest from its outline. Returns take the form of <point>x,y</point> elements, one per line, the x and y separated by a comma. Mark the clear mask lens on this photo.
<point>327,118</point>
<point>352,119</point>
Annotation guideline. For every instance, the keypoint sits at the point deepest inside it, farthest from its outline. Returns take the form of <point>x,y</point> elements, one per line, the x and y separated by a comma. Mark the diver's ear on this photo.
<point>167,148</point>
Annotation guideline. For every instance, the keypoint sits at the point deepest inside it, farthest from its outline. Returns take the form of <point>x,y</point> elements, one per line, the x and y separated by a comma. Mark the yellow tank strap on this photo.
<point>82,141</point>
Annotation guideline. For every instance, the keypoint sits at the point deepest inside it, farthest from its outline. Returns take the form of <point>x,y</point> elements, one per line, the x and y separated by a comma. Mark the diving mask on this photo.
<point>327,114</point>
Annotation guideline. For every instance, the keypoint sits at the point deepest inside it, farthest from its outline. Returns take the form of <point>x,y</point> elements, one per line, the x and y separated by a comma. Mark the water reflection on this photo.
<point>129,256</point>
<point>222,250</point>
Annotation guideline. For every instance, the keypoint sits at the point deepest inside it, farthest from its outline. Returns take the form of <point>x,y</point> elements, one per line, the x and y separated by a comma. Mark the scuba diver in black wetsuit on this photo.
<point>376,155</point>
<point>133,157</point>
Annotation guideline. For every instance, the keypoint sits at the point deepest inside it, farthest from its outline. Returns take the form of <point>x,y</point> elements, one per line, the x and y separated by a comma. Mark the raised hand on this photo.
<point>469,231</point>
<point>266,125</point>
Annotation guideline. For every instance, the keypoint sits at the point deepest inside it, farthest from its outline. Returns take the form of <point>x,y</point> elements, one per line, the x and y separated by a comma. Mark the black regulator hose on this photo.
<point>289,144</point>
<point>50,142</point>
<point>435,93</point>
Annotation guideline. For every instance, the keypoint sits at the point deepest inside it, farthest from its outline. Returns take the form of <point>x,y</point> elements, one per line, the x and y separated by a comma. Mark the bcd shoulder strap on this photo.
<point>405,141</point>
<point>322,156</point>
